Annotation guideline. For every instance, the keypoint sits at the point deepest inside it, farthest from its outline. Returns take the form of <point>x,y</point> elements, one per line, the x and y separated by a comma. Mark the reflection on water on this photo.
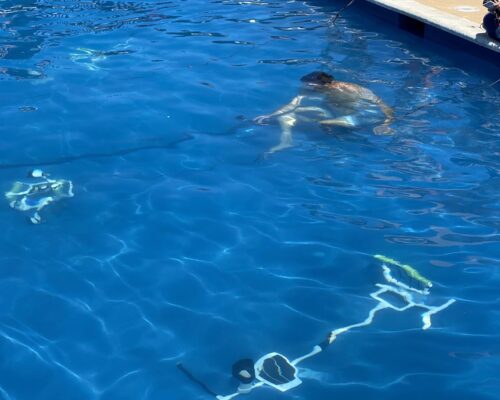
<point>183,243</point>
<point>91,58</point>
<point>20,37</point>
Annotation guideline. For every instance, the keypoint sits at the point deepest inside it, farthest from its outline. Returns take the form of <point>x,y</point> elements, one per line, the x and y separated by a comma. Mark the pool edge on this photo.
<point>425,24</point>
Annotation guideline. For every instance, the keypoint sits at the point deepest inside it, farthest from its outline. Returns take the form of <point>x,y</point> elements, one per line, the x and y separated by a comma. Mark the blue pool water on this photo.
<point>183,243</point>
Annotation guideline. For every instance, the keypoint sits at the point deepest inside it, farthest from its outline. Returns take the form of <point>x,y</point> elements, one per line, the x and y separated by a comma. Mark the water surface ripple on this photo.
<point>183,243</point>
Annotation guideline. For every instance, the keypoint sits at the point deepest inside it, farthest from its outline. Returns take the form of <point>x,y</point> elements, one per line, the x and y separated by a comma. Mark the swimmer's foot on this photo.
<point>279,147</point>
<point>275,149</point>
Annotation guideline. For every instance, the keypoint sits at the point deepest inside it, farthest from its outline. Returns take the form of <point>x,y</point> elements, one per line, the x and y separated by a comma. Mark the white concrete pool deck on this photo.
<point>462,18</point>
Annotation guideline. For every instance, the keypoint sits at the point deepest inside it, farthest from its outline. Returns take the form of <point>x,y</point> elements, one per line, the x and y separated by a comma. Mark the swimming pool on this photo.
<point>183,243</point>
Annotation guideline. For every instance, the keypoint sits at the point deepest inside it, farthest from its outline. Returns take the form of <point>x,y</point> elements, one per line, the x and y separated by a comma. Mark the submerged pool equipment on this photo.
<point>277,371</point>
<point>32,197</point>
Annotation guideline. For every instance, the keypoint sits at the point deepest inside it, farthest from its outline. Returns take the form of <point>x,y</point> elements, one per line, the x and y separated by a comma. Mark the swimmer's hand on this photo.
<point>262,119</point>
<point>383,129</point>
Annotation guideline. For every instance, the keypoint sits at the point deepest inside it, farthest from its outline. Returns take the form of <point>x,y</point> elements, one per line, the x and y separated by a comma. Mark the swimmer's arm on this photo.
<point>384,128</point>
<point>280,111</point>
<point>289,107</point>
<point>368,95</point>
<point>388,111</point>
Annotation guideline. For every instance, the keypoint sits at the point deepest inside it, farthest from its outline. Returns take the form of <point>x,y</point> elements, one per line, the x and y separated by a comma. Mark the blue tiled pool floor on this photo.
<point>183,243</point>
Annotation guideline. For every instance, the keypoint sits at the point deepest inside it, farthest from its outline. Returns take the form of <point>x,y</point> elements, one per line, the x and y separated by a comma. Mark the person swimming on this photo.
<point>328,102</point>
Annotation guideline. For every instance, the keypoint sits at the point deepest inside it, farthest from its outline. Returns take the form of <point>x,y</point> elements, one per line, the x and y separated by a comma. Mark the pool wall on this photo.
<point>457,34</point>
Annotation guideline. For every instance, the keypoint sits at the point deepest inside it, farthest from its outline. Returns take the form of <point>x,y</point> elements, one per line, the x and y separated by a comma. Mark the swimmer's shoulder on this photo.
<point>347,87</point>
<point>361,91</point>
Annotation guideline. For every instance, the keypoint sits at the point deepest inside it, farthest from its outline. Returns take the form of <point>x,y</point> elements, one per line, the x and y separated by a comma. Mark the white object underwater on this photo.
<point>33,197</point>
<point>277,371</point>
<point>90,58</point>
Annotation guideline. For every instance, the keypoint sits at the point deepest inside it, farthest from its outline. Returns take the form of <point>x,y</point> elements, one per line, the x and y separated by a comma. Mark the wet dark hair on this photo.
<point>318,77</point>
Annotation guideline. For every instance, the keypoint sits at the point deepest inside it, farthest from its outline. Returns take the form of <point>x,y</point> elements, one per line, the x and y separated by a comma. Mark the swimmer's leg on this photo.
<point>321,111</point>
<point>287,122</point>
<point>351,121</point>
<point>347,121</point>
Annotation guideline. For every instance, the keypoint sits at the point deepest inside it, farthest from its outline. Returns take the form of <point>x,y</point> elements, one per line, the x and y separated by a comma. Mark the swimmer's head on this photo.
<point>317,78</point>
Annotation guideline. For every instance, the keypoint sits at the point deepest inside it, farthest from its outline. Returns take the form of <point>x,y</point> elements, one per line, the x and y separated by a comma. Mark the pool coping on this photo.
<point>455,25</point>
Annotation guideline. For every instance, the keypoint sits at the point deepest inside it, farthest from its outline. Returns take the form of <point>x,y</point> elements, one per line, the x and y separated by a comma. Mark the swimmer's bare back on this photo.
<point>350,95</point>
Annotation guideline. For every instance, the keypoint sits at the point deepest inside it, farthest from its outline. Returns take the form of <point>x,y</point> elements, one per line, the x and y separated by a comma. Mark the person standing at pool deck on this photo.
<point>321,99</point>
<point>491,20</point>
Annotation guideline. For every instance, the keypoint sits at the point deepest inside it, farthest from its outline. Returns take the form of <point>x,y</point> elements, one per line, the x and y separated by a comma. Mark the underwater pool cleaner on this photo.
<point>32,197</point>
<point>275,370</point>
